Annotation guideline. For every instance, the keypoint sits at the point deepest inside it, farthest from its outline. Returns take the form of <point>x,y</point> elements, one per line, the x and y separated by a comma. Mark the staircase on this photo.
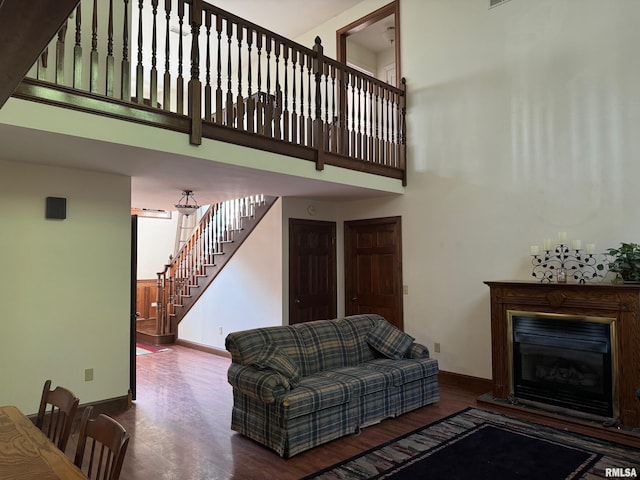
<point>221,231</point>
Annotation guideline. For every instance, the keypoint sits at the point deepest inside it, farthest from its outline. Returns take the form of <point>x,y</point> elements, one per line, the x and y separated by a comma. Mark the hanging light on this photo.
<point>183,206</point>
<point>389,35</point>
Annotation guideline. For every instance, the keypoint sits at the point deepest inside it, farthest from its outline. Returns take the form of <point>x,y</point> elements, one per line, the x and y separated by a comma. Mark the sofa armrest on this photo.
<point>417,350</point>
<point>263,385</point>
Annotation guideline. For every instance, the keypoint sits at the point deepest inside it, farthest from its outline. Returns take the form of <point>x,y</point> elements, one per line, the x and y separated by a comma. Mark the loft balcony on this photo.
<point>192,68</point>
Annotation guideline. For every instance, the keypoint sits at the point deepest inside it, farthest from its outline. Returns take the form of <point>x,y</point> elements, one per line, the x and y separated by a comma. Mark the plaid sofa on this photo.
<point>298,386</point>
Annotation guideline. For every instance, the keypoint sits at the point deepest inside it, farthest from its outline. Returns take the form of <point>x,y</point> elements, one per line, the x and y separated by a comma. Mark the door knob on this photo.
<point>297,300</point>
<point>354,299</point>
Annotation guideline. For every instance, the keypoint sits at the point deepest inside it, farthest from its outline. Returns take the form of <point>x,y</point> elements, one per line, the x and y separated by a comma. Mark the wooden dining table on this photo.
<point>26,453</point>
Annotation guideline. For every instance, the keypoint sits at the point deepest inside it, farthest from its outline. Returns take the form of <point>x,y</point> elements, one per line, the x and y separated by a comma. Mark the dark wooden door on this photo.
<point>373,268</point>
<point>312,270</point>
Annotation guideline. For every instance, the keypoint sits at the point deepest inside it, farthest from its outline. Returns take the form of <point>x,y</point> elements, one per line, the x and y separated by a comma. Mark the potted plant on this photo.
<point>624,261</point>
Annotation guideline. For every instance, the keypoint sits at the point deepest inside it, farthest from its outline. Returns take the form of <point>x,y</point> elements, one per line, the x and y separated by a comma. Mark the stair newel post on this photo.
<point>194,86</point>
<point>160,309</point>
<point>318,66</point>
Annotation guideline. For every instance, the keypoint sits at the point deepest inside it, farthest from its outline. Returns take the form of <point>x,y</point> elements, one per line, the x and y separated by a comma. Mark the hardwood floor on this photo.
<point>180,425</point>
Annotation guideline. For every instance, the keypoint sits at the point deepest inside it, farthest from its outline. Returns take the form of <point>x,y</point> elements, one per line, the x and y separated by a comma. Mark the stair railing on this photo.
<point>215,75</point>
<point>183,271</point>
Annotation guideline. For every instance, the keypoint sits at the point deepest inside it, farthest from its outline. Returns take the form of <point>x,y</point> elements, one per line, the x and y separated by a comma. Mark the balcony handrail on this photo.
<point>239,82</point>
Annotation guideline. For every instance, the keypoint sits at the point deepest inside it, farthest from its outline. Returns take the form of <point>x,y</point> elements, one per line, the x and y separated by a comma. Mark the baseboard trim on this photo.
<point>203,348</point>
<point>478,384</point>
<point>116,404</point>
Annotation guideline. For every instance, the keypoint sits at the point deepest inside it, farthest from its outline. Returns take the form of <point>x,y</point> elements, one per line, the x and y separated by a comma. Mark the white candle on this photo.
<point>546,244</point>
<point>591,247</point>
<point>562,237</point>
<point>534,250</point>
<point>576,244</point>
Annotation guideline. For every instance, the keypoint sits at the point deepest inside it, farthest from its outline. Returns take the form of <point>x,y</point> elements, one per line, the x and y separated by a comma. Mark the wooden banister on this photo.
<point>213,241</point>
<point>246,84</point>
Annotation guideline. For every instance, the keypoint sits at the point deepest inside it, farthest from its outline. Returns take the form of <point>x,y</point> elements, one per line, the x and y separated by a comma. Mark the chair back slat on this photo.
<point>108,444</point>
<point>56,414</point>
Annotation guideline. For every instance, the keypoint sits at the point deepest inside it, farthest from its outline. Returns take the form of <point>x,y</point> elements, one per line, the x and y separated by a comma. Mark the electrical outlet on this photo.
<point>436,347</point>
<point>220,330</point>
<point>88,375</point>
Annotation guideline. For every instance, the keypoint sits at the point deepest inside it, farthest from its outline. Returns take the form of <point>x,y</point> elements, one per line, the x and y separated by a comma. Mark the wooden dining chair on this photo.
<point>108,441</point>
<point>56,414</point>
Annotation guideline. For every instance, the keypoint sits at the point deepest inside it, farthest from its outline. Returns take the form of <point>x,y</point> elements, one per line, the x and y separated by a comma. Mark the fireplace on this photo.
<point>564,361</point>
<point>611,349</point>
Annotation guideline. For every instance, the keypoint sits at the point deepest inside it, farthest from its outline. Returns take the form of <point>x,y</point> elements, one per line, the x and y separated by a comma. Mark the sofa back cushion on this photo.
<point>312,346</point>
<point>336,343</point>
<point>247,345</point>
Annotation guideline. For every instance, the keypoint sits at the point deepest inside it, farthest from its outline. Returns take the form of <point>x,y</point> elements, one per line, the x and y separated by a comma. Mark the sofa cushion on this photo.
<point>273,358</point>
<point>361,381</point>
<point>312,394</point>
<point>388,340</point>
<point>405,370</point>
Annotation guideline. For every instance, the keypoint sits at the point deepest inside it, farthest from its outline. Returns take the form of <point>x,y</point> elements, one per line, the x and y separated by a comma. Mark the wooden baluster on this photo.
<point>364,100</point>
<point>110,69</point>
<point>166,83</point>
<point>377,124</point>
<point>125,67</point>
<point>180,79</point>
<point>385,122</point>
<point>310,89</point>
<point>327,123</point>
<point>353,140</point>
<point>139,67</point>
<point>268,104</point>
<point>207,87</point>
<point>260,100</point>
<point>285,114</point>
<point>394,132</point>
<point>218,116</point>
<point>59,78</point>
<point>195,86</point>
<point>93,65</point>
<point>251,111</point>
<point>316,128</point>
<point>301,127</point>
<point>240,121</point>
<point>359,119</point>
<point>343,144</point>
<point>402,162</point>
<point>277,103</point>
<point>370,149</point>
<point>294,115</point>
<point>229,103</point>
<point>153,85</point>
<point>77,52</point>
<point>333,142</point>
<point>43,61</point>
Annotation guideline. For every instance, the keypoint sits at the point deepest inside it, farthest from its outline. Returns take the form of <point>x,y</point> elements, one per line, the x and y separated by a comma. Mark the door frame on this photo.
<point>383,12</point>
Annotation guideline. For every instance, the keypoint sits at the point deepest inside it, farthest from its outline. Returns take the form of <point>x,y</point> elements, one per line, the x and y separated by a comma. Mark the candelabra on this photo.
<point>562,263</point>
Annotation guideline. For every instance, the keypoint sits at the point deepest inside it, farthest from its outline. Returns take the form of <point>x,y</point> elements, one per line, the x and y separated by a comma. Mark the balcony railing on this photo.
<point>191,67</point>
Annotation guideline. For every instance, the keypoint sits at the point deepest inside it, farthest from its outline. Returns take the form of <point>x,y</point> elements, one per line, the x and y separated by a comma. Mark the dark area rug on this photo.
<point>479,445</point>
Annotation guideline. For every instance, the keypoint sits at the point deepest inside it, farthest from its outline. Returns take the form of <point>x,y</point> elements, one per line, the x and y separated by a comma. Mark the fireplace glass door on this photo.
<point>564,362</point>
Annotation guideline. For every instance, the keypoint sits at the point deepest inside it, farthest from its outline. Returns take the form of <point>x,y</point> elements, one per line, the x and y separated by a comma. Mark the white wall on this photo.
<point>65,284</point>
<point>521,123</point>
<point>247,293</point>
<point>156,239</point>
